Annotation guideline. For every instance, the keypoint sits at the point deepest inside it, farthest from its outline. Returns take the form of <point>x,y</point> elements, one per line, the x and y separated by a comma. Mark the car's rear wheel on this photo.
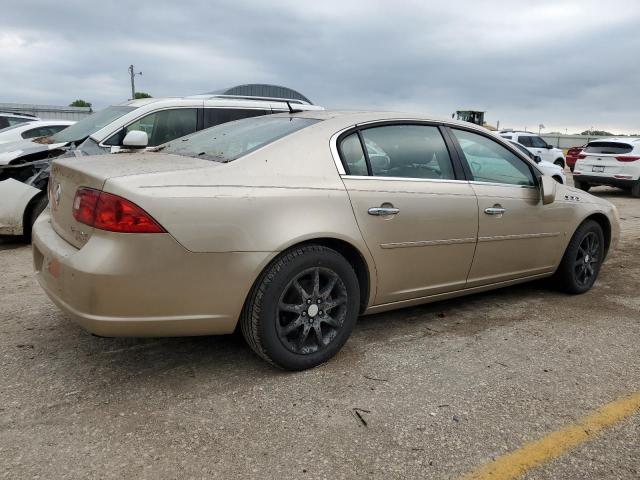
<point>581,185</point>
<point>635,189</point>
<point>582,259</point>
<point>303,308</point>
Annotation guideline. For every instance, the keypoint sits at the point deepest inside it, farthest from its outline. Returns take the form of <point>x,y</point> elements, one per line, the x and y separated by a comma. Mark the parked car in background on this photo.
<point>35,129</point>
<point>9,119</point>
<point>554,171</point>
<point>286,225</point>
<point>610,161</point>
<point>143,123</point>
<point>536,145</point>
<point>572,156</point>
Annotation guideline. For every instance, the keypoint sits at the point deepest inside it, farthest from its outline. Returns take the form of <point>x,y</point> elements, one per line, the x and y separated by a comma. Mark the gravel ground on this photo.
<point>440,389</point>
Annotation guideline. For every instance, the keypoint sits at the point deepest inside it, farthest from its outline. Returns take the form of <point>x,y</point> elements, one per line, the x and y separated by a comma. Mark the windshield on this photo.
<point>91,124</point>
<point>229,141</point>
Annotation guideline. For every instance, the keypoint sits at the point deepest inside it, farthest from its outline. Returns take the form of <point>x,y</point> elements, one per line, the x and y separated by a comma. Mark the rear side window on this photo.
<point>408,151</point>
<point>491,162</point>
<point>353,155</point>
<point>613,148</point>
<point>216,116</point>
<point>42,131</point>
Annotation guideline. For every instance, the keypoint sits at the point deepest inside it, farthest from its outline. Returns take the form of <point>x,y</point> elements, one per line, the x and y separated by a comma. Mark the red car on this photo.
<point>572,156</point>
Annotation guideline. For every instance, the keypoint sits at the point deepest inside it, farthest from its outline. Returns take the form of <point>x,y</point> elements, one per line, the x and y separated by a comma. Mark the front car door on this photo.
<point>417,213</point>
<point>518,236</point>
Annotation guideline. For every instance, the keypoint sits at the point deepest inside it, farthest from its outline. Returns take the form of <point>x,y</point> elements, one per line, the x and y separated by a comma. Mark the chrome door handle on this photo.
<point>380,211</point>
<point>495,210</point>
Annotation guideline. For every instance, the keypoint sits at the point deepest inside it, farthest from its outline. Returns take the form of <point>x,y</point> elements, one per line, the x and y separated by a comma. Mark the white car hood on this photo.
<point>13,150</point>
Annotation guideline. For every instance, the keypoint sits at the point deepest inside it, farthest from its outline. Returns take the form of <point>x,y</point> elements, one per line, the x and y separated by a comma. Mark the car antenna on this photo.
<point>292,110</point>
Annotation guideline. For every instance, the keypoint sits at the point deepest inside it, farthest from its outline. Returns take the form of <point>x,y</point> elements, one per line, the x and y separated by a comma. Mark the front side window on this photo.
<point>161,127</point>
<point>526,141</point>
<point>216,116</point>
<point>229,141</point>
<point>491,162</point>
<point>42,131</point>
<point>537,142</point>
<point>408,151</point>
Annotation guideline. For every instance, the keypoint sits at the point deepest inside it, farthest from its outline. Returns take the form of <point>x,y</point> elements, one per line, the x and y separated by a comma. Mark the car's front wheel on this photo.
<point>303,308</point>
<point>582,259</point>
<point>559,162</point>
<point>581,185</point>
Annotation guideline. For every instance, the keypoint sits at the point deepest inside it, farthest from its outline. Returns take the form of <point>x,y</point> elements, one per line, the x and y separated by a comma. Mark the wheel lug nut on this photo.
<point>320,312</point>
<point>319,301</point>
<point>309,301</point>
<point>304,314</point>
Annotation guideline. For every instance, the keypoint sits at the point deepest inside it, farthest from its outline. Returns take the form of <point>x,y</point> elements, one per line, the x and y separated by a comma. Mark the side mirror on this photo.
<point>537,159</point>
<point>548,189</point>
<point>135,139</point>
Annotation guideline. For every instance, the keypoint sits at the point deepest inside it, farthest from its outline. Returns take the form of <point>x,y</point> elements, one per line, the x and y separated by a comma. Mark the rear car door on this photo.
<point>518,236</point>
<point>417,213</point>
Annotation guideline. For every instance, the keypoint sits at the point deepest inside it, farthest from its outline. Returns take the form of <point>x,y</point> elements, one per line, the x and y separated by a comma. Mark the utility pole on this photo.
<point>133,73</point>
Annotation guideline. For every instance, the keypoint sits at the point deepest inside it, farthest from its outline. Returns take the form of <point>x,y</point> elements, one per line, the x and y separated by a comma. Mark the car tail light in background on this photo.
<point>106,211</point>
<point>627,158</point>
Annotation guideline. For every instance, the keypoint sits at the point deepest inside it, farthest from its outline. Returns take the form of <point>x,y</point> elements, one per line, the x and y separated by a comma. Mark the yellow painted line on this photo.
<point>514,464</point>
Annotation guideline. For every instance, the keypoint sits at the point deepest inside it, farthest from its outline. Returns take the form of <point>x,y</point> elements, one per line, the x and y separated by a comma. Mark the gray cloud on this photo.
<point>570,64</point>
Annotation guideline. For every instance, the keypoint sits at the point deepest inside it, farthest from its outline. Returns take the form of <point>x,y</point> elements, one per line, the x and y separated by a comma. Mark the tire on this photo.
<point>296,320</point>
<point>35,209</point>
<point>581,185</point>
<point>635,190</point>
<point>582,259</point>
<point>571,168</point>
<point>559,162</point>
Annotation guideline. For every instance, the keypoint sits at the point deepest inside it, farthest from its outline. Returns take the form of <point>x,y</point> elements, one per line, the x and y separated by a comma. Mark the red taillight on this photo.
<point>113,213</point>
<point>627,158</point>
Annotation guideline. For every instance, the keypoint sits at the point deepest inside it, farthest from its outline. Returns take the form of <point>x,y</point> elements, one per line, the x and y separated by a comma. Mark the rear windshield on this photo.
<point>91,124</point>
<point>608,147</point>
<point>229,141</point>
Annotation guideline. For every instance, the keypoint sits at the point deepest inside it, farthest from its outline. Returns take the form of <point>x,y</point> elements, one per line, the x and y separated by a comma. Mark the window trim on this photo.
<point>535,173</point>
<point>343,169</point>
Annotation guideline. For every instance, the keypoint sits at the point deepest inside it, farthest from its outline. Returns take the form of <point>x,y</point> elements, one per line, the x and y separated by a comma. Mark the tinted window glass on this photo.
<point>613,148</point>
<point>229,141</point>
<point>526,141</point>
<point>161,127</point>
<point>353,156</point>
<point>523,149</point>
<point>36,132</point>
<point>216,116</point>
<point>491,162</point>
<point>409,151</point>
<point>537,142</point>
<point>18,121</point>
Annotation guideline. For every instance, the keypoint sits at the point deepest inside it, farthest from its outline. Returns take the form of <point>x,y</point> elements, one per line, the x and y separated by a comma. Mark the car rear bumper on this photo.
<point>144,285</point>
<point>605,180</point>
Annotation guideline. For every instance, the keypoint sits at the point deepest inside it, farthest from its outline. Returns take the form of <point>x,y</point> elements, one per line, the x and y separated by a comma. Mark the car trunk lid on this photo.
<point>70,174</point>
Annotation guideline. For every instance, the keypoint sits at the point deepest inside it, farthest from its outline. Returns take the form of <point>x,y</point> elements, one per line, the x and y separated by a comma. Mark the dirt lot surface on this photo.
<point>443,389</point>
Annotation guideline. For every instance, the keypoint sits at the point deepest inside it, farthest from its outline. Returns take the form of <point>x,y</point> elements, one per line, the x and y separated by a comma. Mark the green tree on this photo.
<point>597,133</point>
<point>142,95</point>
<point>80,103</point>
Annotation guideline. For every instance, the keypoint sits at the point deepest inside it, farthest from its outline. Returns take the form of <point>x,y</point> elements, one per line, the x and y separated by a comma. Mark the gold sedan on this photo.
<point>292,225</point>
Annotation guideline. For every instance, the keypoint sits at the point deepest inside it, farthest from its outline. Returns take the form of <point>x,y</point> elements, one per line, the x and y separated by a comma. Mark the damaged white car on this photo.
<point>143,123</point>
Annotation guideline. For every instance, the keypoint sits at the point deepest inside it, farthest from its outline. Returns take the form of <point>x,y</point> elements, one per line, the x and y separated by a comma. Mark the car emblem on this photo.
<point>58,194</point>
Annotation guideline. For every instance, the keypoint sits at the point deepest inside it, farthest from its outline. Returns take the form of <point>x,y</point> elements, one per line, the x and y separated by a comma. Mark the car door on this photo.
<point>416,212</point>
<point>518,236</point>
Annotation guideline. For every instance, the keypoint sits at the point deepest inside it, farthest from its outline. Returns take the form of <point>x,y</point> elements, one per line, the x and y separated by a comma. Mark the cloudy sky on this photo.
<point>566,64</point>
